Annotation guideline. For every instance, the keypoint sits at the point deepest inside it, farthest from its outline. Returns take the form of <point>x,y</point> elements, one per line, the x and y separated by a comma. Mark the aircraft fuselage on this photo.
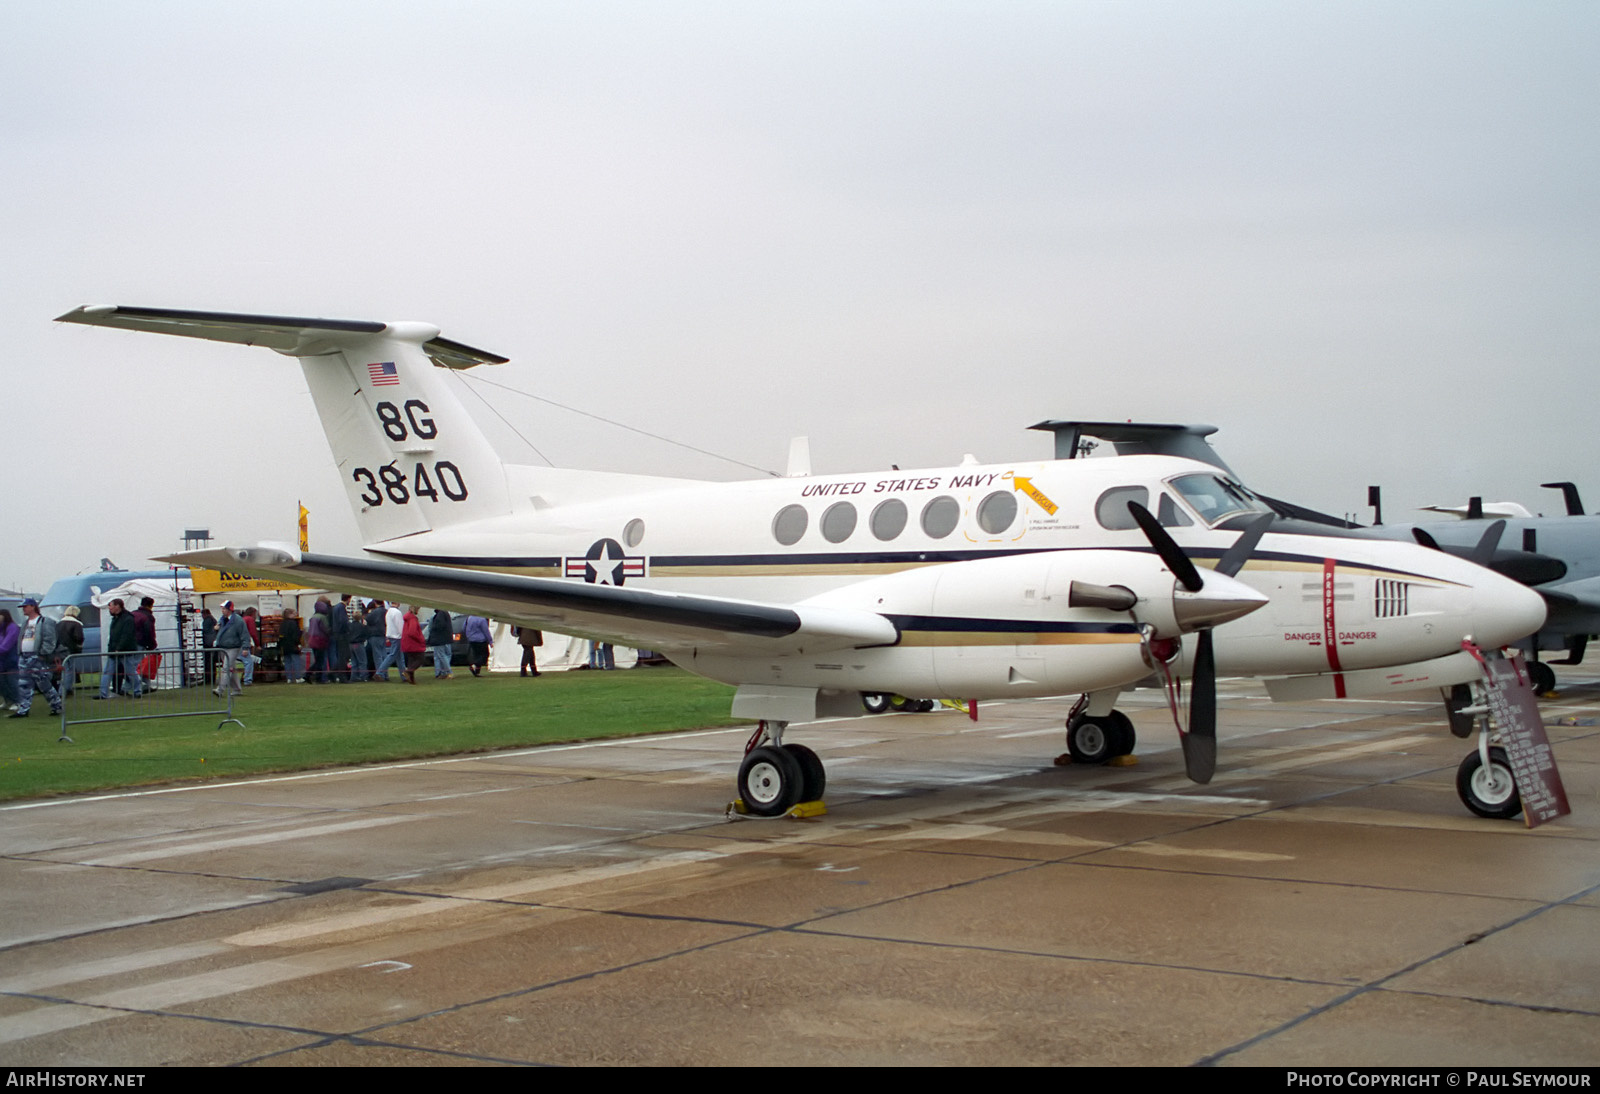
<point>936,544</point>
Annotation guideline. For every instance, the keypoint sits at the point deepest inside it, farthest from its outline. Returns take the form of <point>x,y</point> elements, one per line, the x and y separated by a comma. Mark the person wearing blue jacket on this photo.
<point>233,643</point>
<point>476,633</point>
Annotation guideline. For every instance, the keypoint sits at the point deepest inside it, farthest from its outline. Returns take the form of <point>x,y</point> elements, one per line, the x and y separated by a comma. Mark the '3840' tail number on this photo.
<point>390,481</point>
<point>393,482</point>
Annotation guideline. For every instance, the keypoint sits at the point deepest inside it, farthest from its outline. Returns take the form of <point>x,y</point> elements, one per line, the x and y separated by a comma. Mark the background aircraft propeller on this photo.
<point>1200,742</point>
<point>1483,553</point>
<point>1526,566</point>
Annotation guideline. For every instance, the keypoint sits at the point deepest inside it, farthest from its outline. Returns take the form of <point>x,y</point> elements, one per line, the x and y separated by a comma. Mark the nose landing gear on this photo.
<point>1485,781</point>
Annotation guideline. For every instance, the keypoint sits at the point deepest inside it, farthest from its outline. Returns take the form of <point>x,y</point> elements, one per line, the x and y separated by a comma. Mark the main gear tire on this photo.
<point>813,776</point>
<point>1091,740</point>
<point>770,781</point>
<point>1124,739</point>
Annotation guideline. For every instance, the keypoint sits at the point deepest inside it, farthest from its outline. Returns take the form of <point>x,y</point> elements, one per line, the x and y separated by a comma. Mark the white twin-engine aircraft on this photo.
<point>973,582</point>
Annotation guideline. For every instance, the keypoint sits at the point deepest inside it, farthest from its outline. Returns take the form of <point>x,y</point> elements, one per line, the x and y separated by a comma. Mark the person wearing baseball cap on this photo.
<point>233,643</point>
<point>37,651</point>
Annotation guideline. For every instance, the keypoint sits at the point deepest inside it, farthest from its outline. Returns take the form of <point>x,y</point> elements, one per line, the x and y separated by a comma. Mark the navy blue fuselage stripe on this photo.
<point>1031,626</point>
<point>891,558</point>
<point>507,561</point>
<point>430,583</point>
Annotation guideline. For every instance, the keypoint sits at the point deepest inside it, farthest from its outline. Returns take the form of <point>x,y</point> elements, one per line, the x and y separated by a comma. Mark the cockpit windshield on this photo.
<point>1216,498</point>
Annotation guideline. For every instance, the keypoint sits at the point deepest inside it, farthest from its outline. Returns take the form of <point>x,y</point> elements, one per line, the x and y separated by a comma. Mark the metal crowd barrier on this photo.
<point>113,687</point>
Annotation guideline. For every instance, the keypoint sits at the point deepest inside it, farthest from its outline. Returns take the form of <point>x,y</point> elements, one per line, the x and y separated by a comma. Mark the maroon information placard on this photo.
<point>1515,711</point>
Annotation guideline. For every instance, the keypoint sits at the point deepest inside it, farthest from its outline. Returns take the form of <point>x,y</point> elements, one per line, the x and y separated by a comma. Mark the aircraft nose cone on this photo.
<point>1221,600</point>
<point>1505,611</point>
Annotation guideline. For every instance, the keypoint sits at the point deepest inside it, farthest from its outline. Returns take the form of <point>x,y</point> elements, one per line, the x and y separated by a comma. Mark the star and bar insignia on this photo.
<point>605,563</point>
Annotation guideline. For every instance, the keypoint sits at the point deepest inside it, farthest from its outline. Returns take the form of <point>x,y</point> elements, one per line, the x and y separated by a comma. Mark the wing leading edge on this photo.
<point>647,618</point>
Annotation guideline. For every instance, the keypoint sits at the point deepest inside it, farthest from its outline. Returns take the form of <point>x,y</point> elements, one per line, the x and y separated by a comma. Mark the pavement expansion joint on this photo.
<point>1070,958</point>
<point>1378,984</point>
<point>1511,1004</point>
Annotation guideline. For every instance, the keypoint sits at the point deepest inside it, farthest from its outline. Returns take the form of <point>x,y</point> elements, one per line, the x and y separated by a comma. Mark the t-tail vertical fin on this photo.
<point>410,456</point>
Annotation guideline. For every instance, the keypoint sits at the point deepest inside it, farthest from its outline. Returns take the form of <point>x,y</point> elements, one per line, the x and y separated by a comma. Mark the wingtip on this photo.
<point>218,558</point>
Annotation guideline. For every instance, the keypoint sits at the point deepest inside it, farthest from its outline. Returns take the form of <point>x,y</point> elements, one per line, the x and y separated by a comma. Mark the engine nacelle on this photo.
<point>1042,623</point>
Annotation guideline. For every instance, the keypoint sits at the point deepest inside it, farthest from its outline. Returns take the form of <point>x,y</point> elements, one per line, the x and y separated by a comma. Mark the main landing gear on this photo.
<point>879,702</point>
<point>1095,739</point>
<point>776,777</point>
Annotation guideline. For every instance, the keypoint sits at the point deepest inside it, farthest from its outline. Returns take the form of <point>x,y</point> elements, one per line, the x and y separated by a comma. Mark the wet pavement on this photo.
<point>1325,900</point>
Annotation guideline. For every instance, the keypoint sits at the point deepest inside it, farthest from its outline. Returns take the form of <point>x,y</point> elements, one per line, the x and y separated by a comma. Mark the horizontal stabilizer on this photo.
<point>292,335</point>
<point>1136,439</point>
<point>646,618</point>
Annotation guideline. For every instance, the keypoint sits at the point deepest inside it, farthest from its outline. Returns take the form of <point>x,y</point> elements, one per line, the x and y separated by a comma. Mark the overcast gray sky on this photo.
<point>1361,238</point>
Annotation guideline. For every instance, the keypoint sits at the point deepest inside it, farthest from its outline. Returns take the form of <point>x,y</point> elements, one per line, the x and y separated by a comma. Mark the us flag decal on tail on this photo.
<point>383,374</point>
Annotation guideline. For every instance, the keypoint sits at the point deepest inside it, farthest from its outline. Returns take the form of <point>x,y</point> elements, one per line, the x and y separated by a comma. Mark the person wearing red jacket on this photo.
<point>412,644</point>
<point>144,636</point>
<point>251,656</point>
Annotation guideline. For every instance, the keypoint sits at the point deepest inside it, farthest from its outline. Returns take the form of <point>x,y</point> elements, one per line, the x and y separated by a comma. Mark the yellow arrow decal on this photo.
<point>1025,484</point>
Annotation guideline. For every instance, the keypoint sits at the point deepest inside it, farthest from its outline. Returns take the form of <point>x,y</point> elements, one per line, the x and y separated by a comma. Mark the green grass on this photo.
<point>296,727</point>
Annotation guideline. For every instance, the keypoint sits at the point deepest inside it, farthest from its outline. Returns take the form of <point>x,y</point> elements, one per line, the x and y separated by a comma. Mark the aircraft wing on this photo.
<point>645,618</point>
<point>1582,595</point>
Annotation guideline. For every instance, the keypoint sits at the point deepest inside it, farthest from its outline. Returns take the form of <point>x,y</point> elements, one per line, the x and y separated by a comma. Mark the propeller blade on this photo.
<point>1236,556</point>
<point>1483,553</point>
<point>1170,553</point>
<point>1200,743</point>
<point>1425,539</point>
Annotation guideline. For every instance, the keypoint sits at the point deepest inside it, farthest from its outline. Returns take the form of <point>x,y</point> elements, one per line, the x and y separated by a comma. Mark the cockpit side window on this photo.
<point>1112,508</point>
<point>1214,497</point>
<point>1171,516</point>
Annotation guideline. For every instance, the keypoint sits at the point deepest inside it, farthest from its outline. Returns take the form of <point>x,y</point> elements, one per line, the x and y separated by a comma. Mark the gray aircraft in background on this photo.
<point>1559,558</point>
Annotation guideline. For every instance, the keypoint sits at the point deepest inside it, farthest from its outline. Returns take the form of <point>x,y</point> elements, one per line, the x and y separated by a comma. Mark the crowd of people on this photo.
<point>36,655</point>
<point>352,642</point>
<point>343,642</point>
